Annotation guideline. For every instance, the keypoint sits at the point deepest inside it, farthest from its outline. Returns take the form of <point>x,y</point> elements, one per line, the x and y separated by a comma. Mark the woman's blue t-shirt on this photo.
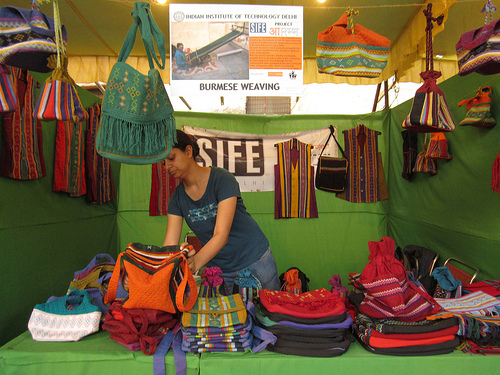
<point>246,242</point>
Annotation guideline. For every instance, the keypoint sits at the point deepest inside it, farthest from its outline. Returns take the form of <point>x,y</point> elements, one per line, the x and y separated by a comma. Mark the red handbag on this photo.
<point>389,293</point>
<point>138,329</point>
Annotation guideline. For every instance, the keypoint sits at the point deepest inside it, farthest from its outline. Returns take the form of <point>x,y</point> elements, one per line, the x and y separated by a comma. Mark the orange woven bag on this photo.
<point>346,50</point>
<point>159,278</point>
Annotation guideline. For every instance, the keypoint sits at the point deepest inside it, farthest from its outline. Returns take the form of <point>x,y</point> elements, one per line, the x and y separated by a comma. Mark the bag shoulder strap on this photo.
<point>150,33</point>
<point>188,280</point>
<point>113,281</point>
<point>332,134</point>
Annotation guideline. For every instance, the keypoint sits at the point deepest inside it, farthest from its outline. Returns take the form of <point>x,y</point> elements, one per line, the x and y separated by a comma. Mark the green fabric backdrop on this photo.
<point>455,212</point>
<point>334,243</point>
<point>46,236</point>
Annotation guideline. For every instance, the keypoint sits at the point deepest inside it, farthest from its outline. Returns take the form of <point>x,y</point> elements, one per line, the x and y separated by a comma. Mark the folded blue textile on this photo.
<point>445,279</point>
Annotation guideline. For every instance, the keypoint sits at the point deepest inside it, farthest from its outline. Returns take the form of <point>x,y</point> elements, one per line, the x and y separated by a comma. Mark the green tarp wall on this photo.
<point>46,236</point>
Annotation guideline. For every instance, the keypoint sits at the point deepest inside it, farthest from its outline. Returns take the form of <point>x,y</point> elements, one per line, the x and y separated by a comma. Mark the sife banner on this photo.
<point>252,157</point>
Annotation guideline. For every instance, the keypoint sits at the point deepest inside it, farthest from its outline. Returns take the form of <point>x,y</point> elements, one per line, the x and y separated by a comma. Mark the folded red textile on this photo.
<point>491,287</point>
<point>416,336</point>
<point>313,304</point>
<point>379,342</point>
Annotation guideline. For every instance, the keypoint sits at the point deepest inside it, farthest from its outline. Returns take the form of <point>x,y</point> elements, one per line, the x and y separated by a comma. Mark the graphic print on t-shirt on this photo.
<point>203,213</point>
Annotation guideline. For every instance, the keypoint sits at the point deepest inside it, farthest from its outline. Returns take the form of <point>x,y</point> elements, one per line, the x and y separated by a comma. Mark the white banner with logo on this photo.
<point>252,157</point>
<point>245,50</point>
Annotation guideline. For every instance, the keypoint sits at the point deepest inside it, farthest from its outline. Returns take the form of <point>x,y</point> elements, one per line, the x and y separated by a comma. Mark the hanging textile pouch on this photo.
<point>222,311</point>
<point>137,125</point>
<point>355,51</point>
<point>158,278</point>
<point>8,96</point>
<point>438,147</point>
<point>59,99</point>
<point>389,293</point>
<point>28,38</point>
<point>424,164</point>
<point>66,319</point>
<point>331,173</point>
<point>429,112</point>
<point>479,109</point>
<point>478,50</point>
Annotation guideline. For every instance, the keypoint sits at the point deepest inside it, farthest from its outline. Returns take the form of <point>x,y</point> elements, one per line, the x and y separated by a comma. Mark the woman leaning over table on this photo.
<point>209,199</point>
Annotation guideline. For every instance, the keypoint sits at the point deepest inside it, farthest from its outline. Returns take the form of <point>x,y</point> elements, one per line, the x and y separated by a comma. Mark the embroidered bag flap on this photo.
<point>222,311</point>
<point>317,303</point>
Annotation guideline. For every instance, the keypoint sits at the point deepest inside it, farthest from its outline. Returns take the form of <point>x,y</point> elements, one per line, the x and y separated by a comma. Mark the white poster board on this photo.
<point>246,50</point>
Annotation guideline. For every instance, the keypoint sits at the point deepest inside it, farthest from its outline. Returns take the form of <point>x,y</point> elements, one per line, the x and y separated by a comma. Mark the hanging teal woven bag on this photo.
<point>137,125</point>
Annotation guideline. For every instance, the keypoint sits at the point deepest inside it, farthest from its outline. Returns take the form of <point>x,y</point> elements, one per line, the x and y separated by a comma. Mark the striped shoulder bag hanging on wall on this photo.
<point>429,112</point>
<point>59,99</point>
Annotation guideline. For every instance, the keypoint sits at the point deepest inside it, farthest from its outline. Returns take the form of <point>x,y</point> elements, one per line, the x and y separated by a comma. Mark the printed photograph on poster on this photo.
<point>224,56</point>
<point>236,49</point>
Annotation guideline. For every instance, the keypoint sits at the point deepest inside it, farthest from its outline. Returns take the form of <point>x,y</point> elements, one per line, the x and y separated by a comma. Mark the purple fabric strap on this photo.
<point>94,263</point>
<point>173,338</point>
<point>345,324</point>
<point>179,355</point>
<point>260,334</point>
<point>161,352</point>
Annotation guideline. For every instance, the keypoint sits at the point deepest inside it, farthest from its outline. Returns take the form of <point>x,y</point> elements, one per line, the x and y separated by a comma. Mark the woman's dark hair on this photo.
<point>184,140</point>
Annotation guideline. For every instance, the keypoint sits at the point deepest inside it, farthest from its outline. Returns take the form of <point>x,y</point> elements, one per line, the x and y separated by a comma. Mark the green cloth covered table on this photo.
<point>98,354</point>
<point>94,354</point>
<point>356,361</point>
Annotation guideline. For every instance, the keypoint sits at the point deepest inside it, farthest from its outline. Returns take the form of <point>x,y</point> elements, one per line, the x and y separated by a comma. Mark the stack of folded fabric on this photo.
<point>220,324</point>
<point>478,315</point>
<point>312,324</point>
<point>392,311</point>
<point>393,337</point>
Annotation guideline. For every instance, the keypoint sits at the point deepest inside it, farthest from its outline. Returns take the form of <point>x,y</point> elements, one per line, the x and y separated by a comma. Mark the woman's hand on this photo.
<point>191,261</point>
<point>125,282</point>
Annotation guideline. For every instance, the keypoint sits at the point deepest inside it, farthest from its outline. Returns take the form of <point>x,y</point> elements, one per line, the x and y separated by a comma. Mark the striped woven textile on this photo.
<point>363,178</point>
<point>424,164</point>
<point>295,196</point>
<point>479,115</point>
<point>69,160</point>
<point>22,146</point>
<point>429,111</point>
<point>478,109</point>
<point>162,188</point>
<point>484,57</point>
<point>345,49</point>
<point>351,59</point>
<point>100,186</point>
<point>438,147</point>
<point>476,303</point>
<point>222,311</point>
